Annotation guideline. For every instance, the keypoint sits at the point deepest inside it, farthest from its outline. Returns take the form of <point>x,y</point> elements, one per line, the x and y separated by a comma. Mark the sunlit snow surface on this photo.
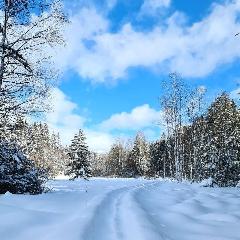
<point>119,209</point>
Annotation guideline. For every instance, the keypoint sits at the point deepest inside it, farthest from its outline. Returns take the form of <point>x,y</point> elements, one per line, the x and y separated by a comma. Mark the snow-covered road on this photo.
<point>122,209</point>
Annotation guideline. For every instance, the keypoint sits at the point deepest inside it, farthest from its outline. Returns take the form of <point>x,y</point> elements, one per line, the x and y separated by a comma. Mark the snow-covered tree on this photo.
<point>17,173</point>
<point>174,106</point>
<point>159,163</point>
<point>222,145</point>
<point>195,109</point>
<point>116,159</point>
<point>97,164</point>
<point>29,30</point>
<point>138,159</point>
<point>57,155</point>
<point>79,165</point>
<point>41,148</point>
<point>38,144</point>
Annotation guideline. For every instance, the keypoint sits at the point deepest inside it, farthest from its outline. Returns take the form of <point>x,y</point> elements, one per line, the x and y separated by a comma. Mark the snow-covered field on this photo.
<point>119,209</point>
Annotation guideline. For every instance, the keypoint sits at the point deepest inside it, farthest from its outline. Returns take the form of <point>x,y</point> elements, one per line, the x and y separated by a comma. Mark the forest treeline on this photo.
<point>206,149</point>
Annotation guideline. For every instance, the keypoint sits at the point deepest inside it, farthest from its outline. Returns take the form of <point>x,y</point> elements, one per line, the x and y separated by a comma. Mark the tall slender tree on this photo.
<point>174,105</point>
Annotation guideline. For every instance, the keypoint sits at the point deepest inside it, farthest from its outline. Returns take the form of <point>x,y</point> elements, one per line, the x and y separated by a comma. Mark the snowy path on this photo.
<point>120,209</point>
<point>126,214</point>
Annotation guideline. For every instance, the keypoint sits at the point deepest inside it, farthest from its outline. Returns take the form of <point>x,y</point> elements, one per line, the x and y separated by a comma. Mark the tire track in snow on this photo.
<point>105,224</point>
<point>119,216</point>
<point>157,232</point>
<point>145,227</point>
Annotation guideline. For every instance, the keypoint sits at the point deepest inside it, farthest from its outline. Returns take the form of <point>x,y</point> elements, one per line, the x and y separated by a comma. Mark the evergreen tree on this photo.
<point>38,144</point>
<point>79,155</point>
<point>99,164</point>
<point>161,158</point>
<point>17,173</point>
<point>116,159</point>
<point>223,127</point>
<point>138,160</point>
<point>158,159</point>
<point>199,154</point>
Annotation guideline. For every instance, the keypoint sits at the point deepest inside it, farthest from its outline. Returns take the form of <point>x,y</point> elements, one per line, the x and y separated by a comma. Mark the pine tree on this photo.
<point>223,148</point>
<point>199,154</point>
<point>38,144</point>
<point>99,164</point>
<point>161,158</point>
<point>158,159</point>
<point>138,160</point>
<point>79,165</point>
<point>117,159</point>
<point>18,174</point>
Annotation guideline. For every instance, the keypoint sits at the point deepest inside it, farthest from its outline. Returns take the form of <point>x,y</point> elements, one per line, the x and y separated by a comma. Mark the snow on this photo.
<point>207,182</point>
<point>62,177</point>
<point>122,209</point>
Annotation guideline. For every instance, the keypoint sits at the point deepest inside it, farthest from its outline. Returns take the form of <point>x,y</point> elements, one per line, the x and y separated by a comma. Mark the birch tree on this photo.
<point>174,101</point>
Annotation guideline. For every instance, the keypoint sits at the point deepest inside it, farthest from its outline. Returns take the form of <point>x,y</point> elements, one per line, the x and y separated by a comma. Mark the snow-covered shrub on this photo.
<point>17,173</point>
<point>210,182</point>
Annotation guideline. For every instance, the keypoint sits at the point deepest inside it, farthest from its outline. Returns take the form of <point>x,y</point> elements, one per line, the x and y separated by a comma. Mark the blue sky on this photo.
<point>119,51</point>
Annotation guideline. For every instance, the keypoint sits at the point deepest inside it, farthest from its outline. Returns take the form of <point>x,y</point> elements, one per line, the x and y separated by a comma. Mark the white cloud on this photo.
<point>99,141</point>
<point>140,117</point>
<point>64,120</point>
<point>153,7</point>
<point>84,26</point>
<point>194,51</point>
